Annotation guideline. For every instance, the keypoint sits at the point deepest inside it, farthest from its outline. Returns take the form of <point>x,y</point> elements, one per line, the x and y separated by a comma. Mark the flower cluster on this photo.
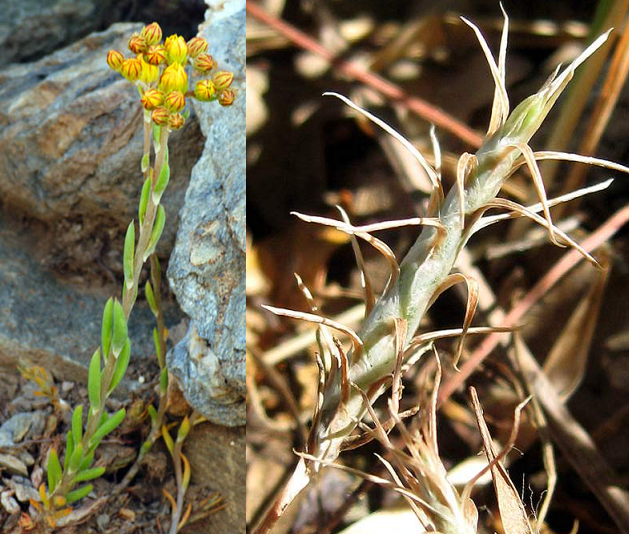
<point>159,71</point>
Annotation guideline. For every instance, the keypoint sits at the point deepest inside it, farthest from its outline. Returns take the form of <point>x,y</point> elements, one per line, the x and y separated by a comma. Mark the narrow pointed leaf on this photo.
<point>129,249</point>
<point>186,472</point>
<point>158,227</point>
<point>120,329</point>
<point>158,346</point>
<point>121,366</point>
<point>144,199</point>
<point>89,474</point>
<point>78,494</point>
<point>93,382</point>
<point>163,381</point>
<point>77,425</point>
<point>150,298</point>
<point>69,450</point>
<point>108,426</point>
<point>184,428</point>
<point>106,328</point>
<point>145,163</point>
<point>86,462</point>
<point>168,439</point>
<point>162,182</point>
<point>152,414</point>
<point>54,470</point>
<point>75,459</point>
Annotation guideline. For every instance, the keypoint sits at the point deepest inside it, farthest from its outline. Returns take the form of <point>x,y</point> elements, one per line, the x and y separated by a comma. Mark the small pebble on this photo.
<point>141,379</point>
<point>103,522</point>
<point>9,503</point>
<point>67,386</point>
<point>13,465</point>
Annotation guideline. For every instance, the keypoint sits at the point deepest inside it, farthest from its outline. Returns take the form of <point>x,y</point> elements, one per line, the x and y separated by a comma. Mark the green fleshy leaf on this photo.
<point>145,163</point>
<point>79,493</point>
<point>150,298</point>
<point>121,366</point>
<point>93,381</point>
<point>77,424</point>
<point>86,462</point>
<point>162,183</point>
<point>120,329</point>
<point>129,250</point>
<point>158,227</point>
<point>89,474</point>
<point>163,381</point>
<point>108,426</point>
<point>157,130</point>
<point>54,470</point>
<point>106,328</point>
<point>146,447</point>
<point>158,346</point>
<point>152,414</point>
<point>69,450</point>
<point>144,199</point>
<point>75,459</point>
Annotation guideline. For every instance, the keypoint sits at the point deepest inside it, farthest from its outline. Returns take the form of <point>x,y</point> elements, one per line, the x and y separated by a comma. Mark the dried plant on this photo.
<point>158,72</point>
<point>387,344</point>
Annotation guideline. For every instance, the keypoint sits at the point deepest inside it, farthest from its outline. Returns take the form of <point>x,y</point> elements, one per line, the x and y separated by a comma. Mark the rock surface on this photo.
<point>31,28</point>
<point>71,144</point>
<point>207,266</point>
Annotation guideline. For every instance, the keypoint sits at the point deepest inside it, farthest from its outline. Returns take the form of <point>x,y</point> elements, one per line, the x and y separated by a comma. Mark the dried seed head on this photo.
<point>137,44</point>
<point>174,78</point>
<point>205,91</point>
<point>131,69</point>
<point>152,98</point>
<point>115,60</point>
<point>175,101</point>
<point>160,116</point>
<point>226,97</point>
<point>204,63</point>
<point>155,55</point>
<point>176,50</point>
<point>196,46</point>
<point>152,33</point>
<point>222,79</point>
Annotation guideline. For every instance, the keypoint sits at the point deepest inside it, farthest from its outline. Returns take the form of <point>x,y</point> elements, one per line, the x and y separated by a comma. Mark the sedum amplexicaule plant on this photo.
<point>159,73</point>
<point>388,343</point>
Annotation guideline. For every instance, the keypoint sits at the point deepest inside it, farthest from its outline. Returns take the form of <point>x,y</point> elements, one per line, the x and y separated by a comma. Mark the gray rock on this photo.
<point>19,425</point>
<point>71,144</point>
<point>37,27</point>
<point>207,266</point>
<point>54,324</point>
<point>13,465</point>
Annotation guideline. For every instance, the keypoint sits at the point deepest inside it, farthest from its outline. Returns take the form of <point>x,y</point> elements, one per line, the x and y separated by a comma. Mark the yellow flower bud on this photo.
<point>131,69</point>
<point>176,50</point>
<point>155,55</point>
<point>222,79</point>
<point>149,73</point>
<point>205,91</point>
<point>176,121</point>
<point>137,44</point>
<point>152,98</point>
<point>196,46</point>
<point>175,101</point>
<point>160,116</point>
<point>226,97</point>
<point>204,62</point>
<point>174,78</point>
<point>152,33</point>
<point>114,60</point>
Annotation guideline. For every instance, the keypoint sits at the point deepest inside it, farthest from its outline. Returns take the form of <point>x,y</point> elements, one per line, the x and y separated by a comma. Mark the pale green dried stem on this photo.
<point>128,300</point>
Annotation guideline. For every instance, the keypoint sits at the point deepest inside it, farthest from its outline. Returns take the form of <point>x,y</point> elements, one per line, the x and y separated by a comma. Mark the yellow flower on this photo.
<point>149,73</point>
<point>204,62</point>
<point>152,33</point>
<point>160,116</point>
<point>137,44</point>
<point>175,101</point>
<point>131,69</point>
<point>174,78</point>
<point>222,79</point>
<point>152,98</point>
<point>204,91</point>
<point>196,46</point>
<point>226,97</point>
<point>114,60</point>
<point>176,50</point>
<point>155,55</point>
<point>175,121</point>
